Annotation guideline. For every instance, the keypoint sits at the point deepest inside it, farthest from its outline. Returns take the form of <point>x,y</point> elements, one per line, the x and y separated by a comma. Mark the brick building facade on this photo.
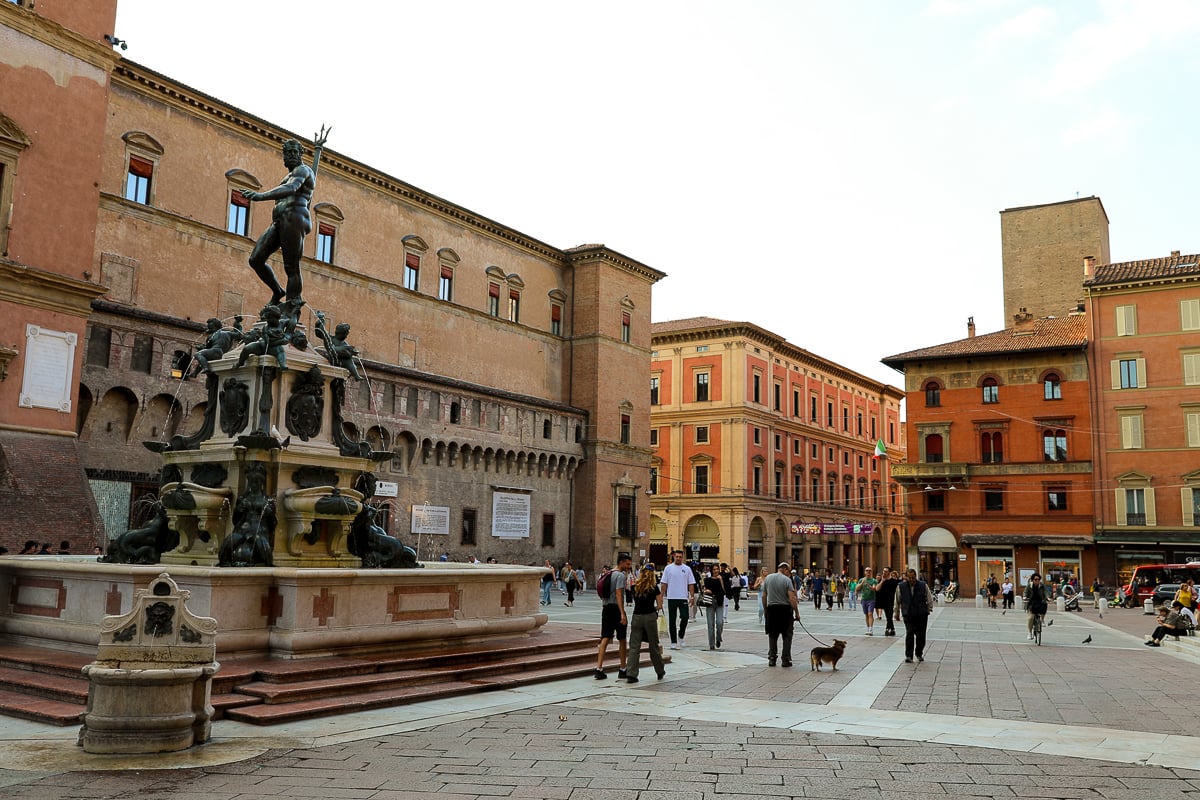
<point>494,361</point>
<point>1145,356</point>
<point>764,451</point>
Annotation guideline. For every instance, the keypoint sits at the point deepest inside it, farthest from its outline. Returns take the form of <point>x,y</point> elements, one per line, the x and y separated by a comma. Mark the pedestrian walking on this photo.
<point>885,600</point>
<point>914,602</point>
<point>567,575</point>
<point>735,588</point>
<point>1008,591</point>
<point>782,612</point>
<point>643,626</point>
<point>613,622</point>
<point>547,582</point>
<point>818,590</point>
<point>714,599</point>
<point>866,597</point>
<point>679,584</point>
<point>852,593</point>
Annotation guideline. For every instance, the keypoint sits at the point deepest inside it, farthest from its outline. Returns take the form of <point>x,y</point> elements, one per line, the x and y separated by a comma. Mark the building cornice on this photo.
<point>779,346</point>
<point>138,78</point>
<point>590,253</point>
<point>29,23</point>
<point>30,286</point>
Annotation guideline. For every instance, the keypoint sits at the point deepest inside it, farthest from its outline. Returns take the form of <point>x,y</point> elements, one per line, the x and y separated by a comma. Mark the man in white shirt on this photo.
<point>679,586</point>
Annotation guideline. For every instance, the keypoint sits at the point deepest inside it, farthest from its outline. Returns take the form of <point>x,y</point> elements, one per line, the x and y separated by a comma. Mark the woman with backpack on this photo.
<point>643,625</point>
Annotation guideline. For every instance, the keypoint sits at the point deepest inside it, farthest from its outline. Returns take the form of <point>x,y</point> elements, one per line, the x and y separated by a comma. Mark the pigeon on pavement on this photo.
<point>1088,639</point>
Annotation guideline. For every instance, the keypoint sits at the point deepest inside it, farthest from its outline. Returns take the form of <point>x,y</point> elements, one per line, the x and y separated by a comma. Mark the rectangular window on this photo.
<point>795,403</point>
<point>654,390</point>
<point>858,426</point>
<point>654,437</point>
<point>653,487</point>
<point>1191,369</point>
<point>1129,373</point>
<point>412,271</point>
<point>758,388</point>
<point>142,357</point>
<point>626,329</point>
<point>845,419</point>
<point>832,458</point>
<point>624,429</point>
<point>239,214</point>
<point>701,387</point>
<point>758,435</point>
<point>812,408</point>
<point>1126,320</point>
<point>701,434</point>
<point>446,285</point>
<point>758,480</point>
<point>1056,498</point>
<point>1135,506</point>
<point>325,240</point>
<point>700,480</point>
<point>1189,315</point>
<point>797,486</point>
<point>846,458</point>
<point>829,415</point>
<point>556,319</point>
<point>993,498</point>
<point>872,427</point>
<point>547,530</point>
<point>468,526</point>
<point>778,442</point>
<point>778,485</point>
<point>137,181</point>
<point>813,450</point>
<point>494,299</point>
<point>99,347</point>
<point>1131,432</point>
<point>514,306</point>
<point>991,393</point>
<point>795,447</point>
<point>778,397</point>
<point>935,501</point>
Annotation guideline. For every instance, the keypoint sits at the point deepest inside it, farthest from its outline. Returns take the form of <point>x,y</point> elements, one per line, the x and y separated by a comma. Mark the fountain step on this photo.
<point>44,660</point>
<point>45,685</point>
<point>275,714</point>
<point>39,709</point>
<point>301,691</point>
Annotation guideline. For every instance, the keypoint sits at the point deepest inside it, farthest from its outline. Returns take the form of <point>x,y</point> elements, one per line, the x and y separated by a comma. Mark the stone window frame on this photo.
<point>331,217</point>
<point>1132,481</point>
<point>448,262</point>
<point>141,145</point>
<point>558,306</point>
<point>415,249</point>
<point>13,142</point>
<point>238,180</point>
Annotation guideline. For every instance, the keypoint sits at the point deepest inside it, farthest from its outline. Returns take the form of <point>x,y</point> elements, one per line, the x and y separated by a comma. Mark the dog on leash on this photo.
<point>827,655</point>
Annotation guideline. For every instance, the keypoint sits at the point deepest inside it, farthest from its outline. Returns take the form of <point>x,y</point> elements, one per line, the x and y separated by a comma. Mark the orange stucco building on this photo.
<point>764,451</point>
<point>1000,471</point>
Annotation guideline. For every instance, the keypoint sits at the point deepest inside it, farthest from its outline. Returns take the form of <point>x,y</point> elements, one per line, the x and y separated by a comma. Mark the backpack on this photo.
<point>602,585</point>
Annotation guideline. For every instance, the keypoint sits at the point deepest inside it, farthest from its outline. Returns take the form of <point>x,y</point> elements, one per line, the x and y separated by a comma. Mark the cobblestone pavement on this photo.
<point>987,714</point>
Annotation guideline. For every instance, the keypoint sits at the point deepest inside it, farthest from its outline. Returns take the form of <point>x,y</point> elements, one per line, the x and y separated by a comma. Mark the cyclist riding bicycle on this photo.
<point>1036,601</point>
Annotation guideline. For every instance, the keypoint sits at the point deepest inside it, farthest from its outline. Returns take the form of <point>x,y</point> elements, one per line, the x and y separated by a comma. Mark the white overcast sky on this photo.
<point>830,171</point>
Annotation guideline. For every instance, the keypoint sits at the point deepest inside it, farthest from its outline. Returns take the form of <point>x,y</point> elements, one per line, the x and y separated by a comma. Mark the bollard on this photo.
<point>1103,606</point>
<point>1148,606</point>
<point>979,601</point>
<point>1060,603</point>
<point>1020,602</point>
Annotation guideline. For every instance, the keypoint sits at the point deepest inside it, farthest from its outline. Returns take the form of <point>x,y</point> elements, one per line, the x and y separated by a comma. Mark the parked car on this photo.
<point>1164,593</point>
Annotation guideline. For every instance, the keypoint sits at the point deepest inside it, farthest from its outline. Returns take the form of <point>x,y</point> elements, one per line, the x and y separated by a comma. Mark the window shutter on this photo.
<point>493,289</point>
<point>238,199</point>
<point>1189,314</point>
<point>1120,496</point>
<point>1191,368</point>
<point>140,167</point>
<point>325,229</point>
<point>556,313</point>
<point>412,260</point>
<point>1151,519</point>
<point>1115,368</point>
<point>1193,429</point>
<point>1143,378</point>
<point>1185,500</point>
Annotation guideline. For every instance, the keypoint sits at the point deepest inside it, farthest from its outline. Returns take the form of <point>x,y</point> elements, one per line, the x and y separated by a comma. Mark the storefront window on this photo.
<point>1059,567</point>
<point>1127,560</point>
<point>996,561</point>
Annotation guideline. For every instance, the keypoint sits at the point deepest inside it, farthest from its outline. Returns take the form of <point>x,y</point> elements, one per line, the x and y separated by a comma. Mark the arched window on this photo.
<point>1053,386</point>
<point>933,448</point>
<point>991,391</point>
<point>1054,445</point>
<point>992,447</point>
<point>933,394</point>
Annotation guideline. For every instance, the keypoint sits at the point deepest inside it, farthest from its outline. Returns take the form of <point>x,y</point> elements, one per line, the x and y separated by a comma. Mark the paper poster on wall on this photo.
<point>510,515</point>
<point>49,364</point>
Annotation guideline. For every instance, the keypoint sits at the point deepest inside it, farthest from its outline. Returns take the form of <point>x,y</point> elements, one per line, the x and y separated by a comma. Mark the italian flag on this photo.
<point>880,450</point>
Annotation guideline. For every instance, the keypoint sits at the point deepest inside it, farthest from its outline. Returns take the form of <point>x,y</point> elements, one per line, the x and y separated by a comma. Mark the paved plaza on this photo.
<point>988,714</point>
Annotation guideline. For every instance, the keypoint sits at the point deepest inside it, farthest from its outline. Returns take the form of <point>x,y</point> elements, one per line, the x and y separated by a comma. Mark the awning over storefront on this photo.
<point>985,539</point>
<point>938,539</point>
<point>1148,537</point>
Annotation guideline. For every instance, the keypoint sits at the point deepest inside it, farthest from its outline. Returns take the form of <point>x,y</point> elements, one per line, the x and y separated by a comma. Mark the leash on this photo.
<point>815,639</point>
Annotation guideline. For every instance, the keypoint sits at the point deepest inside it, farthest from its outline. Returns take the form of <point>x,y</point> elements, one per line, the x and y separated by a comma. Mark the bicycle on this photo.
<point>1037,629</point>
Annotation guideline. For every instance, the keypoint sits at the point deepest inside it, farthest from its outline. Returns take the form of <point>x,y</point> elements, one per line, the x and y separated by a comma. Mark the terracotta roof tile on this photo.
<point>675,325</point>
<point>1041,334</point>
<point>1149,268</point>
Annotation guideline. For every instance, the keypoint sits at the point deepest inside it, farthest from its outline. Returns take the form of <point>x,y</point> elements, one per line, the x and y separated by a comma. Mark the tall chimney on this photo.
<point>1089,267</point>
<point>970,327</point>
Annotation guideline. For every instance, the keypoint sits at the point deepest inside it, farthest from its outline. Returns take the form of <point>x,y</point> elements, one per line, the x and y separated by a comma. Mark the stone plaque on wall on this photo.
<point>510,515</point>
<point>49,367</point>
<point>119,274</point>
